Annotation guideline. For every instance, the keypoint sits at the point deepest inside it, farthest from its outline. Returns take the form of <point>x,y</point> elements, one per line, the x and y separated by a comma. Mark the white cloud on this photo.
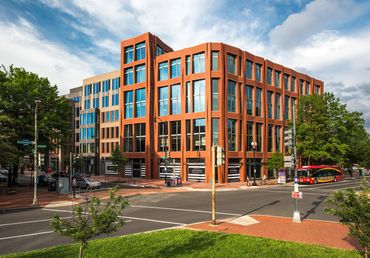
<point>23,46</point>
<point>316,16</point>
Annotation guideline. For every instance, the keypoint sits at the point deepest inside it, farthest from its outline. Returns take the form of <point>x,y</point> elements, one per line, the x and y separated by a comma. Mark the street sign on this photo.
<point>288,137</point>
<point>25,142</point>
<point>288,161</point>
<point>220,156</point>
<point>297,195</point>
<point>41,146</point>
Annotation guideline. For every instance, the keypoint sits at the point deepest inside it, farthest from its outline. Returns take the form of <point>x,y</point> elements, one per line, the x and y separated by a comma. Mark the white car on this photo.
<point>4,171</point>
<point>84,182</point>
<point>3,178</point>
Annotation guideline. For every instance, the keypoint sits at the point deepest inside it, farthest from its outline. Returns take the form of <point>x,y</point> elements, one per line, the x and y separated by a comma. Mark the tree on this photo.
<point>275,162</point>
<point>117,159</point>
<point>352,208</point>
<point>18,91</point>
<point>328,133</point>
<point>90,220</point>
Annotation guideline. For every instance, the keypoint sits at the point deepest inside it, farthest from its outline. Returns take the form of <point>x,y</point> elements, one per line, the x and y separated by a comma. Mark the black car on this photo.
<point>44,179</point>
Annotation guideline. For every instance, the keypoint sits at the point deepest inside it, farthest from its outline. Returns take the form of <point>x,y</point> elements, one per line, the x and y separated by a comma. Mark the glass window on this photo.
<point>175,135</point>
<point>199,134</point>
<point>163,136</point>
<point>269,76</point>
<point>258,102</point>
<point>140,73</point>
<point>317,90</point>
<point>140,137</point>
<point>199,96</point>
<point>117,115</point>
<point>129,54</point>
<point>231,133</point>
<point>188,132</point>
<point>258,72</point>
<point>96,103</point>
<point>105,101</point>
<point>115,83</point>
<point>96,87</point>
<point>277,138</point>
<point>199,63</point>
<point>214,60</point>
<point>175,99</point>
<point>175,68</point>
<point>292,84</point>
<point>277,106</point>
<point>269,104</point>
<point>249,91</point>
<point>286,107</point>
<point>140,103</point>
<point>308,86</point>
<point>159,51</point>
<point>249,135</point>
<point>301,82</point>
<point>106,85</point>
<point>248,71</point>
<point>115,101</point>
<point>277,79</point>
<point>140,51</point>
<point>129,78</point>
<point>163,101</point>
<point>87,90</point>
<point>231,98</point>
<point>231,63</point>
<point>163,71</point>
<point>187,65</point>
<point>188,97</point>
<point>128,104</point>
<point>269,138</point>
<point>215,130</point>
<point>259,136</point>
<point>286,81</point>
<point>128,138</point>
<point>87,103</point>
<point>214,94</point>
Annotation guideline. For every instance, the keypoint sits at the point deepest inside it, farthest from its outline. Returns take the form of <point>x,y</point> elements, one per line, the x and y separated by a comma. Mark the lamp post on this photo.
<point>254,147</point>
<point>35,162</point>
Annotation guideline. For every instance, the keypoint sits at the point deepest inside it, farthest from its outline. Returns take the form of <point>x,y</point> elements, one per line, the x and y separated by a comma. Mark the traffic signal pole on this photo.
<point>296,214</point>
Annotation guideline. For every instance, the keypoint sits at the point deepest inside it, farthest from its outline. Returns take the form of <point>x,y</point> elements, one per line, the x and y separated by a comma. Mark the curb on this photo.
<point>19,209</point>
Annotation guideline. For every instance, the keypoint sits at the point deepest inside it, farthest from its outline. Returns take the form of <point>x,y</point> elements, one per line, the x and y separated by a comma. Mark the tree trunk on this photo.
<point>81,251</point>
<point>366,252</point>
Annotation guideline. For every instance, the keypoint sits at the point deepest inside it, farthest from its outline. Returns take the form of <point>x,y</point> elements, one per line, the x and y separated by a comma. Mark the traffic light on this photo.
<point>220,156</point>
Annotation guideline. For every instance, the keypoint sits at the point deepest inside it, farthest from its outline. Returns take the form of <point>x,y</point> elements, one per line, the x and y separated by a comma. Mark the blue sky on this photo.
<point>67,41</point>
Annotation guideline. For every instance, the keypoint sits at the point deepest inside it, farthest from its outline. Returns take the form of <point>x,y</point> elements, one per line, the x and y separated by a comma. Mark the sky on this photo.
<point>67,41</point>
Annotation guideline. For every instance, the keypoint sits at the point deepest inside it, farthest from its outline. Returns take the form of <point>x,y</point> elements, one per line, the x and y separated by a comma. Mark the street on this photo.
<point>29,229</point>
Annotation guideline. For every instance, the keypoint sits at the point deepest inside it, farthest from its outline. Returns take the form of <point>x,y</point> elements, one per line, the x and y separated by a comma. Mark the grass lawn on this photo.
<point>189,243</point>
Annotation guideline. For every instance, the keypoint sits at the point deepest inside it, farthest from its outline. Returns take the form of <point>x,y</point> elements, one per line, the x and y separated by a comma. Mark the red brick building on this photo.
<point>184,101</point>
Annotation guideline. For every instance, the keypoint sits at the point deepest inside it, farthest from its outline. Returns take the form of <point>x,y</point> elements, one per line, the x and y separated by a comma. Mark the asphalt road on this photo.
<point>29,229</point>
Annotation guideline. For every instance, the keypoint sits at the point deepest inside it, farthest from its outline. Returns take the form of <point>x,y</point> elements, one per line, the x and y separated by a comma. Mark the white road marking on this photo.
<point>178,209</point>
<point>27,235</point>
<point>287,192</point>
<point>30,221</point>
<point>132,218</point>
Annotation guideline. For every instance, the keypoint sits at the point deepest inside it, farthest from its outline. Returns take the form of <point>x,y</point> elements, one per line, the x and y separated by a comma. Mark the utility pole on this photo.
<point>213,180</point>
<point>35,162</point>
<point>296,214</point>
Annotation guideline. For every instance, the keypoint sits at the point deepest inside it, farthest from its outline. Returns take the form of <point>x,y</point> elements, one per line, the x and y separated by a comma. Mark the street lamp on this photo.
<point>254,147</point>
<point>35,162</point>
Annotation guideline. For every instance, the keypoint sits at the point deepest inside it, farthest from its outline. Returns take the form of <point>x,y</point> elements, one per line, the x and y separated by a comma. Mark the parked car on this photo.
<point>84,182</point>
<point>59,174</point>
<point>3,178</point>
<point>44,180</point>
<point>4,171</point>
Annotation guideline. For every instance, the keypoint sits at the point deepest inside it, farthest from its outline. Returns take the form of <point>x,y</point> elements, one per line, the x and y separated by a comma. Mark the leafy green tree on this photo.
<point>118,159</point>
<point>353,210</point>
<point>91,219</point>
<point>275,162</point>
<point>18,91</point>
<point>328,133</point>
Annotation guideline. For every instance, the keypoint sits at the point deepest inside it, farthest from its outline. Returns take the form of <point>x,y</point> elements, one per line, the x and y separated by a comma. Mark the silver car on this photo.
<point>84,182</point>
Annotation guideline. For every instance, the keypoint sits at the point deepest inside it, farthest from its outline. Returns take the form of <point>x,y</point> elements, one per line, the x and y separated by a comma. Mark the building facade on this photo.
<point>185,101</point>
<point>99,125</point>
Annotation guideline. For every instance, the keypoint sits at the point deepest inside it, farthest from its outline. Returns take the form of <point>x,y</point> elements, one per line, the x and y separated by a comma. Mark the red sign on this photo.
<point>297,195</point>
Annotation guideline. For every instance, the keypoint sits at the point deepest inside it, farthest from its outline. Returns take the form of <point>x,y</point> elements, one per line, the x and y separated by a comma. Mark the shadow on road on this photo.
<point>315,205</point>
<point>261,207</point>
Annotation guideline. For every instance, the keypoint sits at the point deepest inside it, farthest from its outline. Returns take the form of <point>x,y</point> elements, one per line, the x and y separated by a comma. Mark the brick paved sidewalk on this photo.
<point>325,233</point>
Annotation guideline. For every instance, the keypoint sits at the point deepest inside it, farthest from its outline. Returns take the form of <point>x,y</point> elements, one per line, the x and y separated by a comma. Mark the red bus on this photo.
<point>319,174</point>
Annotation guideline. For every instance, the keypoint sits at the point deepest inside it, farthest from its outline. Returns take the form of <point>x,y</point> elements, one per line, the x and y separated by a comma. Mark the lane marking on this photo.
<point>179,209</point>
<point>30,221</point>
<point>27,235</point>
<point>287,192</point>
<point>132,218</point>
